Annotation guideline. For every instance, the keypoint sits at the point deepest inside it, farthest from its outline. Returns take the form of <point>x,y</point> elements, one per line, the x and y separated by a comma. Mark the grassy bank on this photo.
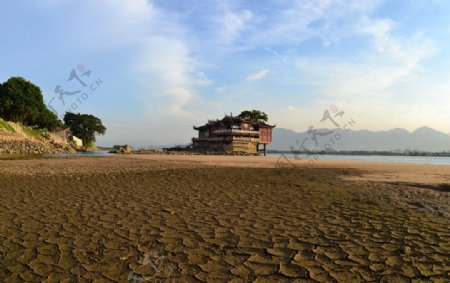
<point>5,126</point>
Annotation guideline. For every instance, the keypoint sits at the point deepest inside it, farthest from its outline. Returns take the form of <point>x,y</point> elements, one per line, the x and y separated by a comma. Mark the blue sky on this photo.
<point>166,65</point>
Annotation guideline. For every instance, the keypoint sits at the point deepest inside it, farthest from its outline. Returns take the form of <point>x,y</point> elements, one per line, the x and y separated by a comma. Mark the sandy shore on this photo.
<point>387,172</point>
<point>222,219</point>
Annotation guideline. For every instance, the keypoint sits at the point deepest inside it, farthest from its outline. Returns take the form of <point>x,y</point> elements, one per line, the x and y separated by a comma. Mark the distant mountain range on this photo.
<point>422,139</point>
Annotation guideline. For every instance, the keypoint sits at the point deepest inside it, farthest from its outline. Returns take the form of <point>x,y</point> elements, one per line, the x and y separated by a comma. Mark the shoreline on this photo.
<point>367,153</point>
<point>369,171</point>
<point>307,162</point>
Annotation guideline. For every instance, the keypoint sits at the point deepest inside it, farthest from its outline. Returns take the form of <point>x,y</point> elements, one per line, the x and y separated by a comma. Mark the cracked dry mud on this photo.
<point>107,219</point>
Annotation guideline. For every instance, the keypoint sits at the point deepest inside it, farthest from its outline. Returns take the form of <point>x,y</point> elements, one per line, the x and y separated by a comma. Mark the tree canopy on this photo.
<point>22,101</point>
<point>254,114</point>
<point>84,126</point>
<point>48,120</point>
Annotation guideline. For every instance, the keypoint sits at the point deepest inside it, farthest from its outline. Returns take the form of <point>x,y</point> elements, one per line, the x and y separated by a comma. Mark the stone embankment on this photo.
<point>30,146</point>
<point>15,140</point>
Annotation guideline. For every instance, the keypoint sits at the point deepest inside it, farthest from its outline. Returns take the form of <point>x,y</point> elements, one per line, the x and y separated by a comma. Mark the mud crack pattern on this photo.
<point>218,225</point>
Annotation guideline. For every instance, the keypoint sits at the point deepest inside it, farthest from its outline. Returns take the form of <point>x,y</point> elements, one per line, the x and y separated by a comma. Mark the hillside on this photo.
<point>422,139</point>
<point>18,139</point>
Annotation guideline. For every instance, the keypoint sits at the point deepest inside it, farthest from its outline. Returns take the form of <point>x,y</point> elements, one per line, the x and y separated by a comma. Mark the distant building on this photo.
<point>233,134</point>
<point>77,142</point>
<point>62,134</point>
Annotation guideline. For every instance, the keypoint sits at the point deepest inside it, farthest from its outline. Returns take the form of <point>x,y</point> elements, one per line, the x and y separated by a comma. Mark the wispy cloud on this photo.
<point>291,108</point>
<point>297,21</point>
<point>231,24</point>
<point>393,60</point>
<point>164,69</point>
<point>158,57</point>
<point>257,76</point>
<point>376,82</point>
<point>162,62</point>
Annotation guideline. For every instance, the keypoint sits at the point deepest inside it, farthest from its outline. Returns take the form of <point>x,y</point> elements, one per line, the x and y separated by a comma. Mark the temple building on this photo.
<point>233,134</point>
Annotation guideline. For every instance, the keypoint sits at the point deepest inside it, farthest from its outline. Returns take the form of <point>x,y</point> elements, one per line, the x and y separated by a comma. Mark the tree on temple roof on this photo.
<point>254,115</point>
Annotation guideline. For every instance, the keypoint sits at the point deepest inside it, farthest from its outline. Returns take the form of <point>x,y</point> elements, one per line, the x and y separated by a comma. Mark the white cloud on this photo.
<point>257,76</point>
<point>164,69</point>
<point>291,108</point>
<point>371,72</point>
<point>381,85</point>
<point>231,24</point>
<point>379,30</point>
<point>298,21</point>
<point>100,25</point>
<point>160,58</point>
<point>200,79</point>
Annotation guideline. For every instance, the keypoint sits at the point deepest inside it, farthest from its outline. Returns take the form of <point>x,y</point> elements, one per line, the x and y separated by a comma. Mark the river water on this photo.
<point>437,160</point>
<point>87,153</point>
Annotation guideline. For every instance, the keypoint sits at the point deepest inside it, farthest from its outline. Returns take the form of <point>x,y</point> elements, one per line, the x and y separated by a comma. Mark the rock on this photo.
<point>125,149</point>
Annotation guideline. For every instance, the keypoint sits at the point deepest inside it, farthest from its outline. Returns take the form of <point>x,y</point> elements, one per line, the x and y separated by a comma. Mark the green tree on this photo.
<point>48,120</point>
<point>22,101</point>
<point>84,126</point>
<point>255,115</point>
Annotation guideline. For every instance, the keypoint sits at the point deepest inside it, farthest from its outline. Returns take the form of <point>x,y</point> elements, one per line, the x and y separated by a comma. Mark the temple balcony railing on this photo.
<point>228,138</point>
<point>235,131</point>
<point>242,139</point>
<point>208,139</point>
